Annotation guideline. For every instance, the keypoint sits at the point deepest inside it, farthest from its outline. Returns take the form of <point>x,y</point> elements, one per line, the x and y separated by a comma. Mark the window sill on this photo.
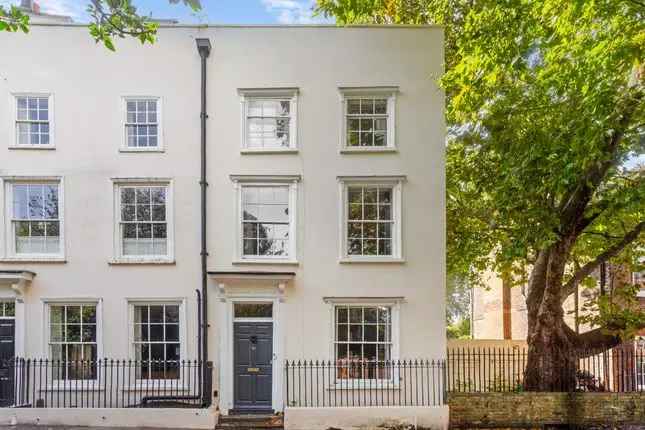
<point>34,259</point>
<point>140,261</point>
<point>156,386</point>
<point>364,385</point>
<point>269,151</point>
<point>153,150</point>
<point>85,386</point>
<point>266,261</point>
<point>375,260</point>
<point>41,147</point>
<point>369,150</point>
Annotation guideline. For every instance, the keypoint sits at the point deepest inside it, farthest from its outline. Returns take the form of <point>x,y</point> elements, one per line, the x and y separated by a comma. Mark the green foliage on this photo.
<point>617,312</point>
<point>459,329</point>
<point>13,19</point>
<point>110,19</point>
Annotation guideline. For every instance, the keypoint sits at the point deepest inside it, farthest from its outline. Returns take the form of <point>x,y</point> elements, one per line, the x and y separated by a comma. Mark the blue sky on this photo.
<point>213,11</point>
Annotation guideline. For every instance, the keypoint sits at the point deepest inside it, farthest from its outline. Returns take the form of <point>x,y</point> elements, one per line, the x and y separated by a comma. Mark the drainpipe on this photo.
<point>204,50</point>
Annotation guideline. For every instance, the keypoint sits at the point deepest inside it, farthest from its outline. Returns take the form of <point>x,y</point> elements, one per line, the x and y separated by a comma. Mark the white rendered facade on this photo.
<point>300,118</point>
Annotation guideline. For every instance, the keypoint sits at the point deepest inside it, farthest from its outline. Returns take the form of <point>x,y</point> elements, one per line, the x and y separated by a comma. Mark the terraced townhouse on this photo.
<point>238,219</point>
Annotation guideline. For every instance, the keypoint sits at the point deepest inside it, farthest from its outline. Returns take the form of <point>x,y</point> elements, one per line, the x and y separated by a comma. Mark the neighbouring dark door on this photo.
<point>252,356</point>
<point>7,352</point>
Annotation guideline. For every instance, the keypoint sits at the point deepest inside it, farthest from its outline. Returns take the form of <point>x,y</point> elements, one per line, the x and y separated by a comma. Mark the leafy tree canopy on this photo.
<point>110,19</point>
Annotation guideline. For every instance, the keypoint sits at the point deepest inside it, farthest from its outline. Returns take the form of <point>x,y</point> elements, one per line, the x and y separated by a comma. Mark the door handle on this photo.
<point>253,369</point>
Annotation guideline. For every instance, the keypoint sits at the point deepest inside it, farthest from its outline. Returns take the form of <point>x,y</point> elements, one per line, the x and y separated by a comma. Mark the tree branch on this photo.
<point>574,203</point>
<point>610,252</point>
<point>591,342</point>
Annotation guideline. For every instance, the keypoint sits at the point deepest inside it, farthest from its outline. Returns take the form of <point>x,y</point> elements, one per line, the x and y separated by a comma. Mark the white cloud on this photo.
<point>74,8</point>
<point>293,11</point>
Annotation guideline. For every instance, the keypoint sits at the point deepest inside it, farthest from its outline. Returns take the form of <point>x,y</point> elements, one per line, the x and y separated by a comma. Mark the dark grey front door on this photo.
<point>252,356</point>
<point>7,352</point>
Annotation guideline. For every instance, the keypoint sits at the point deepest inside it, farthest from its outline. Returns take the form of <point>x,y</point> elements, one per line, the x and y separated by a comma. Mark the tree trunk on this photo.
<point>551,363</point>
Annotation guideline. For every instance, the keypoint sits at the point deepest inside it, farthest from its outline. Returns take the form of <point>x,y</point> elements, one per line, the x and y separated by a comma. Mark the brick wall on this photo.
<point>491,410</point>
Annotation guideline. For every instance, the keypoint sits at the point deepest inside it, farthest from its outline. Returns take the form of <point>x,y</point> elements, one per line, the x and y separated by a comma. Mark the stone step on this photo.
<point>249,422</point>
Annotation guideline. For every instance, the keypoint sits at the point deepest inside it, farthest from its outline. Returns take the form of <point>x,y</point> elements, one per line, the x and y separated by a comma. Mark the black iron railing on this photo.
<point>346,383</point>
<point>621,369</point>
<point>106,383</point>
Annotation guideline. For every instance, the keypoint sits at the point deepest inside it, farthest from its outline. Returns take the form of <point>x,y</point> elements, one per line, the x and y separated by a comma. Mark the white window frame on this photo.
<point>7,238</point>
<point>394,182</point>
<point>171,384</point>
<point>394,303</point>
<point>250,94</point>
<point>291,181</point>
<point>14,118</point>
<point>72,384</point>
<point>386,92</point>
<point>118,257</point>
<point>124,120</point>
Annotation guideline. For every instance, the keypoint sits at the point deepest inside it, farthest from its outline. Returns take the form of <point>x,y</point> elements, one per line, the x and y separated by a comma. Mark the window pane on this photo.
<point>356,315</point>
<point>250,247</point>
<point>369,230</point>
<point>128,212</point>
<point>143,212</point>
<point>89,314</point>
<point>56,333</point>
<point>171,313</point>
<point>89,333</point>
<point>156,332</point>
<point>156,314</point>
<point>158,196</point>
<point>140,332</point>
<point>141,314</point>
<point>142,195</point>
<point>10,309</point>
<point>20,201</point>
<point>50,202</point>
<point>367,106</point>
<point>172,332</point>
<point>73,314</point>
<point>355,333</point>
<point>73,333</point>
<point>353,138</point>
<point>380,139</point>
<point>341,332</point>
<point>353,106</point>
<point>158,212</point>
<point>159,231</point>
<point>253,310</point>
<point>369,247</point>
<point>366,124</point>
<point>370,212</point>
<point>127,195</point>
<point>354,230</point>
<point>380,106</point>
<point>341,314</point>
<point>385,247</point>
<point>36,201</point>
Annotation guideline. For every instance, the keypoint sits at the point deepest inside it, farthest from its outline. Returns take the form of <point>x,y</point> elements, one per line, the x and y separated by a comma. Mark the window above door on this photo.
<point>266,214</point>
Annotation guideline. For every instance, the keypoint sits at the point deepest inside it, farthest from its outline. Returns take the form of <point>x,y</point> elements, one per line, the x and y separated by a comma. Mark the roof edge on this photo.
<point>257,26</point>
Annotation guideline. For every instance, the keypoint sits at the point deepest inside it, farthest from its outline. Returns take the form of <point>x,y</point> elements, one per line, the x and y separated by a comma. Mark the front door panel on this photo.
<point>7,352</point>
<point>252,357</point>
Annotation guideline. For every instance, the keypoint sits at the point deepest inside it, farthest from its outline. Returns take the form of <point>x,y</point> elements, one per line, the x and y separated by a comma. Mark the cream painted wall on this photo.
<point>88,82</point>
